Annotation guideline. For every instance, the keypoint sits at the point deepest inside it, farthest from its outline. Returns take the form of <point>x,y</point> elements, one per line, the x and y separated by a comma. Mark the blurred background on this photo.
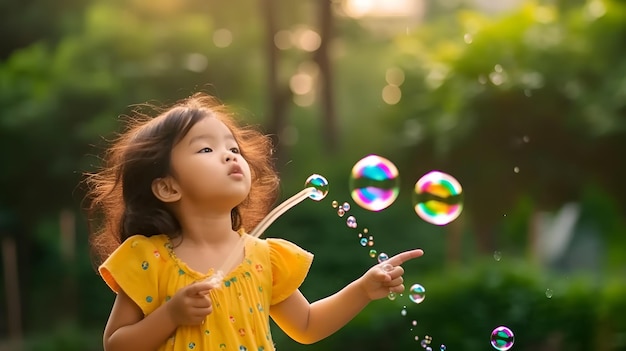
<point>523,102</point>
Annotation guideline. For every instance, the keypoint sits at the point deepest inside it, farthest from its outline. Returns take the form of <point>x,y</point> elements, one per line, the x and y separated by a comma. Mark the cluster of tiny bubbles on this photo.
<point>320,184</point>
<point>417,293</point>
<point>502,338</point>
<point>426,342</point>
<point>374,183</point>
<point>351,222</point>
<point>438,198</point>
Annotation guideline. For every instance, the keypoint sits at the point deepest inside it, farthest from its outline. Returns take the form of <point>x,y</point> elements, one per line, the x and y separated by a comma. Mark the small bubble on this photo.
<point>467,38</point>
<point>341,212</point>
<point>371,238</point>
<point>391,296</point>
<point>363,242</point>
<point>525,138</point>
<point>428,348</point>
<point>351,222</point>
<point>497,255</point>
<point>334,204</point>
<point>346,206</point>
<point>365,230</point>
<point>414,323</point>
<point>403,312</point>
<point>424,343</point>
<point>372,253</point>
<point>417,293</point>
<point>320,185</point>
<point>360,235</point>
<point>442,347</point>
<point>370,243</point>
<point>382,257</point>
<point>516,169</point>
<point>549,293</point>
<point>417,338</point>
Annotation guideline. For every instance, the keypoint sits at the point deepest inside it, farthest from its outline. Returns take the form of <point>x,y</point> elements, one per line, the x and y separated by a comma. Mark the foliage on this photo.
<point>523,103</point>
<point>463,306</point>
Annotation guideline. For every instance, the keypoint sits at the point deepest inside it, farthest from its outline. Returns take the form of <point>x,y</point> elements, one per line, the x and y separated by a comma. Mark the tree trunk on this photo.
<point>322,58</point>
<point>278,96</point>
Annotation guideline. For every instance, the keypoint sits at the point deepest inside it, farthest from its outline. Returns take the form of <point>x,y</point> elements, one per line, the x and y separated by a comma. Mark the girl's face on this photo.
<point>208,167</point>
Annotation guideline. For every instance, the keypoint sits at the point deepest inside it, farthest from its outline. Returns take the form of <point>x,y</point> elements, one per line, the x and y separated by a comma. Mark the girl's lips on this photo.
<point>235,170</point>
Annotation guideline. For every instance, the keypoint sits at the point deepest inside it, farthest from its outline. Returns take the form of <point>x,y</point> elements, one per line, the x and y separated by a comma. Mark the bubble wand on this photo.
<point>317,188</point>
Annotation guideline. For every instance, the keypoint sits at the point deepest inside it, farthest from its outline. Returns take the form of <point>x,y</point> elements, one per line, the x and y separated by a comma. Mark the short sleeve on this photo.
<point>134,268</point>
<point>290,266</point>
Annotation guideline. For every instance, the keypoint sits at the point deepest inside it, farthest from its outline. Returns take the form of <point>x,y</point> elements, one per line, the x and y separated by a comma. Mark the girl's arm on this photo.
<point>308,323</point>
<point>128,329</point>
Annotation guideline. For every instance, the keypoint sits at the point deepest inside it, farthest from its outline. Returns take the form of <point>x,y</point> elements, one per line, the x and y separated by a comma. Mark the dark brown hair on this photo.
<point>120,202</point>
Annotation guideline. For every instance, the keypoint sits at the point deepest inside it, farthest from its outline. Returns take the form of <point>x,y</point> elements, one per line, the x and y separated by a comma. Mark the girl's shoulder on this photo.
<point>147,242</point>
<point>140,247</point>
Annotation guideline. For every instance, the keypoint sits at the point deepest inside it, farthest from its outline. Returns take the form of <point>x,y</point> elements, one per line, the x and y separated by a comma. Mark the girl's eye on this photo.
<point>205,149</point>
<point>235,150</point>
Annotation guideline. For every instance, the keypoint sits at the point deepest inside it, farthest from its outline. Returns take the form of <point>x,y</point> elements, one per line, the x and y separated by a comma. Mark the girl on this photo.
<point>175,197</point>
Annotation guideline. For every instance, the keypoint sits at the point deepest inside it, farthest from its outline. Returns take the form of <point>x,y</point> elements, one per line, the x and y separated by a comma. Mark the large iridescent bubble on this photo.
<point>437,198</point>
<point>502,338</point>
<point>374,183</point>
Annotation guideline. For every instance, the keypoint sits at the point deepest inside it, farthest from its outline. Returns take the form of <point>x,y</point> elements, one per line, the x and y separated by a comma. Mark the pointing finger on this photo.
<point>405,256</point>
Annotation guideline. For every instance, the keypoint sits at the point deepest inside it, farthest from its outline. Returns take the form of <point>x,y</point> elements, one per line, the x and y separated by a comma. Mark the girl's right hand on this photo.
<point>191,304</point>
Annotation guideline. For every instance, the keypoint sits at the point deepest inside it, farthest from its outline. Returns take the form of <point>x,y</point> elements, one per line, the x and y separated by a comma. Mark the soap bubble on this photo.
<point>351,222</point>
<point>382,257</point>
<point>437,198</point>
<point>374,183</point>
<point>320,184</point>
<point>502,338</point>
<point>417,293</point>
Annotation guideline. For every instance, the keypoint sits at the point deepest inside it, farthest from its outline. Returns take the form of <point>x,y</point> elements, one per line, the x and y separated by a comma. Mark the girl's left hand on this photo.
<point>386,276</point>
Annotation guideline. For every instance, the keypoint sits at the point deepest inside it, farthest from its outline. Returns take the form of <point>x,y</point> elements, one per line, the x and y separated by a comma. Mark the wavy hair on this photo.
<point>119,198</point>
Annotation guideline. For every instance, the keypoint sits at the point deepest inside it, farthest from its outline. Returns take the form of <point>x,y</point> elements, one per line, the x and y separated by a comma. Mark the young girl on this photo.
<point>172,203</point>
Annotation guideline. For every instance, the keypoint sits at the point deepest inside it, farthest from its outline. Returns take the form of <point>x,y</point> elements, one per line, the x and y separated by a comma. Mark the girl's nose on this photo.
<point>229,157</point>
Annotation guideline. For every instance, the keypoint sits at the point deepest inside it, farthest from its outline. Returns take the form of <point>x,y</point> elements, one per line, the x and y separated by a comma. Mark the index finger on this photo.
<point>404,256</point>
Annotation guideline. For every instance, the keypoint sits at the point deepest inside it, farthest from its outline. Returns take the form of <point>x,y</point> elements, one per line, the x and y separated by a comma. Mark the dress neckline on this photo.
<point>182,265</point>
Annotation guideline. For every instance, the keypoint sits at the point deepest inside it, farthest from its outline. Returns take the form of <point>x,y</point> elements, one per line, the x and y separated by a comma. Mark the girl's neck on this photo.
<point>207,230</point>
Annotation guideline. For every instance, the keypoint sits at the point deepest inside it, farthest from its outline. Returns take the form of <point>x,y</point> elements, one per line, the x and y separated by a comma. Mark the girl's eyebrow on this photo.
<point>209,137</point>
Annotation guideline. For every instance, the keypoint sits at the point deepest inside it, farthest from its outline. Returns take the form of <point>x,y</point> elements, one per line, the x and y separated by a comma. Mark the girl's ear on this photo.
<point>165,189</point>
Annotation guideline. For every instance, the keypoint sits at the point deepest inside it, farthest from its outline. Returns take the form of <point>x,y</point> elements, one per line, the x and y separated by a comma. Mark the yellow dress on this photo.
<point>147,270</point>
